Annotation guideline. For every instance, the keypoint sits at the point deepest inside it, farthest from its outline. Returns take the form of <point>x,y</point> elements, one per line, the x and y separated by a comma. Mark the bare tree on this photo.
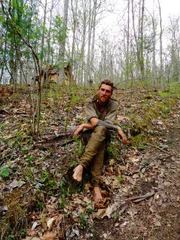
<point>161,47</point>
<point>37,112</point>
<point>63,41</point>
<point>139,39</point>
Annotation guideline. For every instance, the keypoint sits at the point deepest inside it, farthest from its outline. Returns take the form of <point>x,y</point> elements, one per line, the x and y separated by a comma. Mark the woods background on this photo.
<point>38,35</point>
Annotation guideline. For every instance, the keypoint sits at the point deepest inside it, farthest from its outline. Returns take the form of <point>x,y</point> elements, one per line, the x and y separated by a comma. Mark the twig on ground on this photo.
<point>165,151</point>
<point>140,198</point>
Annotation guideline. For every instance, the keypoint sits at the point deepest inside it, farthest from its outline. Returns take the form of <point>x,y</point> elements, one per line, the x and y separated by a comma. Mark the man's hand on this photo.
<point>78,130</point>
<point>122,135</point>
<point>81,127</point>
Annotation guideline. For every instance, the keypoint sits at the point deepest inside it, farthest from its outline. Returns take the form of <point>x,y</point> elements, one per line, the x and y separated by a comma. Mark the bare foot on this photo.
<point>97,194</point>
<point>78,171</point>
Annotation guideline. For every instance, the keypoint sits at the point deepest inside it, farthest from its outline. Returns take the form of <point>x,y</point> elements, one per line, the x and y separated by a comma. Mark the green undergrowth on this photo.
<point>150,107</point>
<point>42,172</point>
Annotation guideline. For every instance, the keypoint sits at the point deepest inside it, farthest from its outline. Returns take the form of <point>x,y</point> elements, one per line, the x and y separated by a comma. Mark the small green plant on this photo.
<point>83,221</point>
<point>30,159</point>
<point>141,147</point>
<point>89,208</point>
<point>62,202</point>
<point>2,126</point>
<point>38,206</point>
<point>4,171</point>
<point>44,177</point>
<point>51,183</point>
<point>144,162</point>
<point>65,188</point>
<point>73,163</point>
<point>11,236</point>
<point>80,147</point>
<point>10,156</point>
<point>113,150</point>
<point>74,99</point>
<point>120,179</point>
<point>134,188</point>
<point>43,217</point>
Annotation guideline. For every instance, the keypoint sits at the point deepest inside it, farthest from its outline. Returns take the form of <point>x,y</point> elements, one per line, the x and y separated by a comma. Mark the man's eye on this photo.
<point>104,90</point>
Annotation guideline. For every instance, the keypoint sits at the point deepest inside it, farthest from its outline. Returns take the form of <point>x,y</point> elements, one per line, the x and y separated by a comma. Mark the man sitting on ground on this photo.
<point>101,112</point>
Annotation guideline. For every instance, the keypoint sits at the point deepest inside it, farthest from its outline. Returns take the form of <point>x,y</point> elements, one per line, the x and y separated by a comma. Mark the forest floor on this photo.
<point>39,199</point>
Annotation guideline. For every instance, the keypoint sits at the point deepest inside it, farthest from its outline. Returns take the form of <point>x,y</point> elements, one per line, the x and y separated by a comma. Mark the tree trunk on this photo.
<point>161,48</point>
<point>63,42</point>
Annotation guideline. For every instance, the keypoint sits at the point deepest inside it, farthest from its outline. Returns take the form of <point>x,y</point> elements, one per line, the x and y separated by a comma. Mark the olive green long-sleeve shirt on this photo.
<point>108,115</point>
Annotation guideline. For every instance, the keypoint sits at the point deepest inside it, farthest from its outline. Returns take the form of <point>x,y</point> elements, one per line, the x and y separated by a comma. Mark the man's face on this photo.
<point>104,93</point>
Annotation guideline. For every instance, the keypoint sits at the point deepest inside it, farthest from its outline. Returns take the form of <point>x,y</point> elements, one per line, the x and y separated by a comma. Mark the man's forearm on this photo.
<point>87,125</point>
<point>108,125</point>
<point>81,127</point>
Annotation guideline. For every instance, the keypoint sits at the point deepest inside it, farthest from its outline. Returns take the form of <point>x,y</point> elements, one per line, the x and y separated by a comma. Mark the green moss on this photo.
<point>139,125</point>
<point>148,97</point>
<point>17,213</point>
<point>137,139</point>
<point>152,113</point>
<point>140,140</point>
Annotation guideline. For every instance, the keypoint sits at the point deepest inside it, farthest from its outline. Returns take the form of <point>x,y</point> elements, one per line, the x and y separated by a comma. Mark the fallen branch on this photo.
<point>60,140</point>
<point>165,151</point>
<point>140,198</point>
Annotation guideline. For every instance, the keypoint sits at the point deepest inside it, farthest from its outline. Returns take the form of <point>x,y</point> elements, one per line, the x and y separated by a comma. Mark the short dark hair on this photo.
<point>107,82</point>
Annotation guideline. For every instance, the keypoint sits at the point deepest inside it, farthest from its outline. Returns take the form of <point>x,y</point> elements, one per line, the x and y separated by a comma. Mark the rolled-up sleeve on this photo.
<point>90,111</point>
<point>112,114</point>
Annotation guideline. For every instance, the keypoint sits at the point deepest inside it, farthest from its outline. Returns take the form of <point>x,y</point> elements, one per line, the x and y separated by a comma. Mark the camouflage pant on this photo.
<point>93,156</point>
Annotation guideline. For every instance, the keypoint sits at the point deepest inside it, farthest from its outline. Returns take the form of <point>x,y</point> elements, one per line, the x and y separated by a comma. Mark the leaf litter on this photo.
<point>141,183</point>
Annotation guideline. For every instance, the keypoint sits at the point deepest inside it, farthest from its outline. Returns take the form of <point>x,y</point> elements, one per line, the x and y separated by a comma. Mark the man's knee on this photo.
<point>102,130</point>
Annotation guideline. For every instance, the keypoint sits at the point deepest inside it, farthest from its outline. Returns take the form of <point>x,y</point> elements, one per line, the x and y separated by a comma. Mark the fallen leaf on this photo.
<point>99,214</point>
<point>50,223</point>
<point>31,238</point>
<point>110,210</point>
<point>35,224</point>
<point>16,183</point>
<point>49,236</point>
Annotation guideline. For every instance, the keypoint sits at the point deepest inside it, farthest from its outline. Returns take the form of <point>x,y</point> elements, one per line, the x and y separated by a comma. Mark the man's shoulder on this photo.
<point>113,101</point>
<point>91,99</point>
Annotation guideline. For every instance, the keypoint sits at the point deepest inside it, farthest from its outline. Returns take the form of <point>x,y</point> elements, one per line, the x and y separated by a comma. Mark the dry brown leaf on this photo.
<point>50,222</point>
<point>135,159</point>
<point>116,184</point>
<point>86,200</point>
<point>51,207</point>
<point>102,204</point>
<point>49,236</point>
<point>110,210</point>
<point>99,214</point>
<point>31,238</point>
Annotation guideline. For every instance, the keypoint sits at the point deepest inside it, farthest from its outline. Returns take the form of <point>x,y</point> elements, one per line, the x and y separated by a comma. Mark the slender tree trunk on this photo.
<point>49,59</point>
<point>83,44</point>
<point>139,40</point>
<point>127,46</point>
<point>89,41</point>
<point>142,40</point>
<point>161,48</point>
<point>74,13</point>
<point>94,29</point>
<point>63,43</point>
<point>154,76</point>
<point>43,34</point>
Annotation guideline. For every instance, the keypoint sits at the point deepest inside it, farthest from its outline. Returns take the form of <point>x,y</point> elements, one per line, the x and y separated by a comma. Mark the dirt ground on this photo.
<point>143,184</point>
<point>157,217</point>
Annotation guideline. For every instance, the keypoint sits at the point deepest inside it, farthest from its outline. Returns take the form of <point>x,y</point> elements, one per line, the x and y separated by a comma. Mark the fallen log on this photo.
<point>59,140</point>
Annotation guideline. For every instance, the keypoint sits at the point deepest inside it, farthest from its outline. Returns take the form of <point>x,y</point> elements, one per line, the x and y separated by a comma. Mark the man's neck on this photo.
<point>101,105</point>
